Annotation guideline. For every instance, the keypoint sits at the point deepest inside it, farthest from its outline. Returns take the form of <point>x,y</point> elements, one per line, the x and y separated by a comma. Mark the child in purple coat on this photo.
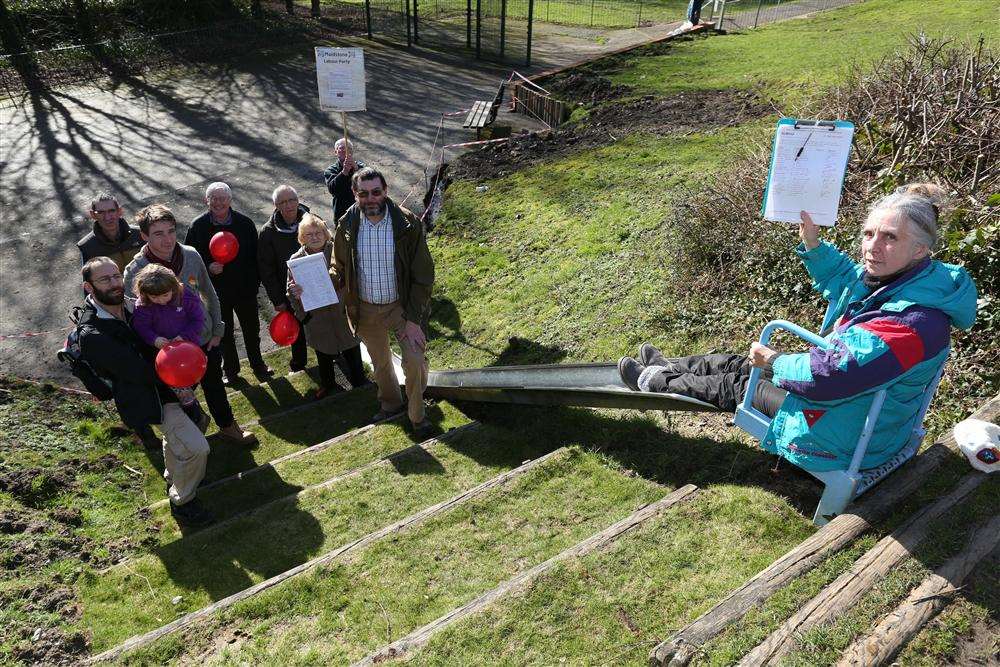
<point>165,312</point>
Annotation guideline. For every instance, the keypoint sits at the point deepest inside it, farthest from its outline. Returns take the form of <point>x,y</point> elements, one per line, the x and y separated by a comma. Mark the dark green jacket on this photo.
<point>414,265</point>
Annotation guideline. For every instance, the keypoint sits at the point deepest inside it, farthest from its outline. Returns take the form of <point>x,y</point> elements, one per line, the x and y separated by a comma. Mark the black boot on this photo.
<point>191,514</point>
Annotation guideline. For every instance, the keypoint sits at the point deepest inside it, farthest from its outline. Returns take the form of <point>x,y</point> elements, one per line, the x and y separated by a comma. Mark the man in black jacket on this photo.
<point>116,353</point>
<point>236,282</point>
<point>338,177</point>
<point>111,236</point>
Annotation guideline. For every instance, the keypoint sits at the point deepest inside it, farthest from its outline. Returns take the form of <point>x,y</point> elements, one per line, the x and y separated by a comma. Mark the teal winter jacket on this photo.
<point>895,337</point>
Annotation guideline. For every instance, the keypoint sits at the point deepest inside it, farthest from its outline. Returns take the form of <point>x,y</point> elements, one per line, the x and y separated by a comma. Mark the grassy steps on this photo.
<point>397,584</point>
<point>136,596</point>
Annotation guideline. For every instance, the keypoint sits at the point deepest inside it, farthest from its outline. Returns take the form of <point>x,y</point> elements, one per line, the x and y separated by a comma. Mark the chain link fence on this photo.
<point>74,41</point>
<point>750,14</point>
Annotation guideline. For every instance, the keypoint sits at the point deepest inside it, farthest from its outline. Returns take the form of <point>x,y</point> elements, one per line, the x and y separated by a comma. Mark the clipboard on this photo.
<point>808,166</point>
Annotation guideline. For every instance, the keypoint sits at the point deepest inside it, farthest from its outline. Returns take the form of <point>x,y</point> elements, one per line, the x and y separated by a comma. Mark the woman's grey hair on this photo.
<point>920,204</point>
<point>282,188</point>
<point>219,187</point>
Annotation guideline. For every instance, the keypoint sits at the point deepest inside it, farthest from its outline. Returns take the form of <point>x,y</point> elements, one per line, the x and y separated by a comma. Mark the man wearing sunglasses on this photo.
<point>384,272</point>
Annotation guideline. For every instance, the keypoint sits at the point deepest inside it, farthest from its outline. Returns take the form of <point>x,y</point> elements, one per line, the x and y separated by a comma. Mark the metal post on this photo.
<point>368,17</point>
<point>409,38</point>
<point>503,26</point>
<point>468,24</point>
<point>757,17</point>
<point>479,25</point>
<point>531,22</point>
<point>592,13</point>
<point>416,23</point>
<point>638,20</point>
<point>722,17</point>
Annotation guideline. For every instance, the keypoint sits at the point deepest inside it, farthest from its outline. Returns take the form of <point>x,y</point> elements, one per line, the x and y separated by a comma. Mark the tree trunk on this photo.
<point>315,8</point>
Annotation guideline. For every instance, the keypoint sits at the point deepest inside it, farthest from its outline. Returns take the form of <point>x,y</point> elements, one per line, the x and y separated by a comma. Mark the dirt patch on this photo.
<point>682,113</point>
<point>585,86</point>
<point>34,642</point>
<point>36,486</point>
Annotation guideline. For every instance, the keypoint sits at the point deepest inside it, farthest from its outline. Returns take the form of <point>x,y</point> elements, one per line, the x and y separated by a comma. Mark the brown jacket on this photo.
<point>414,265</point>
<point>326,327</point>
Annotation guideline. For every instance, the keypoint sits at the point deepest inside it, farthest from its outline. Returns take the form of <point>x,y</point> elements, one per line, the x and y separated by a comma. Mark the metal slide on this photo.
<point>583,385</point>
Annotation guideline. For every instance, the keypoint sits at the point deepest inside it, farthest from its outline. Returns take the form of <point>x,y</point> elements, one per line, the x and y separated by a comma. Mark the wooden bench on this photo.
<point>484,112</point>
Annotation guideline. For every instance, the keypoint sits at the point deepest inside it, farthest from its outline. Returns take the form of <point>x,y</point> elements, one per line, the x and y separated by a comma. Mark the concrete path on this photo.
<point>253,123</point>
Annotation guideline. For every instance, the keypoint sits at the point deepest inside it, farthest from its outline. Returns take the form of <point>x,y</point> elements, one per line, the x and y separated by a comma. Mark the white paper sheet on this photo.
<point>311,274</point>
<point>340,77</point>
<point>807,172</point>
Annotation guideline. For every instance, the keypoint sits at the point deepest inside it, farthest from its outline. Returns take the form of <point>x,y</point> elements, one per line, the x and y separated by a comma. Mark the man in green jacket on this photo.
<point>384,273</point>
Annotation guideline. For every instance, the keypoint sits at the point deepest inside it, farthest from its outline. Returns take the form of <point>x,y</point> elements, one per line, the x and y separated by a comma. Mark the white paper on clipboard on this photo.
<point>808,164</point>
<point>310,273</point>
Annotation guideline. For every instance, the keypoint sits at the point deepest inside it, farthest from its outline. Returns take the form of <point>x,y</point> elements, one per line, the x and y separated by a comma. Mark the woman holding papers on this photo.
<point>326,327</point>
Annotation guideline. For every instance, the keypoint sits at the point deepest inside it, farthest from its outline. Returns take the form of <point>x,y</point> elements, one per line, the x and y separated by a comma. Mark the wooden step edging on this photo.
<point>318,447</point>
<point>139,641</point>
<point>846,590</point>
<point>923,603</point>
<point>421,636</point>
<point>680,648</point>
<point>336,479</point>
<point>303,406</point>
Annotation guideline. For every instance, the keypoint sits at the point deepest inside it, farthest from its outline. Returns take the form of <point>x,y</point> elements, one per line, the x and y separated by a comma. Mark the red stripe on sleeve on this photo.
<point>904,341</point>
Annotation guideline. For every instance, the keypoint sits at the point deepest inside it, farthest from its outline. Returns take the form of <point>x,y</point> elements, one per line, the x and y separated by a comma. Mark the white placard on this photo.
<point>310,273</point>
<point>340,75</point>
<point>808,164</point>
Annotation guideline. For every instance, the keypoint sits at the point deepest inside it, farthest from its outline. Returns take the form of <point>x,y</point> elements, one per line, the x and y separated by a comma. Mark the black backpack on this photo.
<point>101,388</point>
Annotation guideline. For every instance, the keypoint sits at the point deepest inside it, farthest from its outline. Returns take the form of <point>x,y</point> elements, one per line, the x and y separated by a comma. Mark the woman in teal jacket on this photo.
<point>893,319</point>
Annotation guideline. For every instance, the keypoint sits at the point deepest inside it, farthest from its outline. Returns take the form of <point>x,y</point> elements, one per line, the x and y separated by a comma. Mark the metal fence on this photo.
<point>129,50</point>
<point>749,14</point>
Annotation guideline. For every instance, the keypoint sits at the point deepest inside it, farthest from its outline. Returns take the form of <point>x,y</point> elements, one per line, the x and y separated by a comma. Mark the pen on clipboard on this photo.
<point>802,147</point>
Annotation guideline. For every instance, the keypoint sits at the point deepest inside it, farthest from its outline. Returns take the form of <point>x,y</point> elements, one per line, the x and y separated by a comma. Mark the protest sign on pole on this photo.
<point>340,77</point>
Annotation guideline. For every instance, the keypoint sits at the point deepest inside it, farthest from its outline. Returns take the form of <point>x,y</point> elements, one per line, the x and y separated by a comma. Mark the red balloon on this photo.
<point>181,364</point>
<point>284,328</point>
<point>224,247</point>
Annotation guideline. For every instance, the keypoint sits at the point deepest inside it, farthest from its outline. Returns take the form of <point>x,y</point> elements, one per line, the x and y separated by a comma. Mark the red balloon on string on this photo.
<point>181,364</point>
<point>224,247</point>
<point>284,328</point>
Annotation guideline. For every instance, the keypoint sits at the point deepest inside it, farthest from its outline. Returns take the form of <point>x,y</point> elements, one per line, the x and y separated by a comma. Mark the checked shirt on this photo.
<point>377,261</point>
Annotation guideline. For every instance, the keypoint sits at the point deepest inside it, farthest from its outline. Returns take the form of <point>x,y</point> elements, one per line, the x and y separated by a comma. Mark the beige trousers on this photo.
<point>185,452</point>
<point>374,324</point>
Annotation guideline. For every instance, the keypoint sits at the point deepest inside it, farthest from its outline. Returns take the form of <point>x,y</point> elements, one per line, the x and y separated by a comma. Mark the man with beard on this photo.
<point>384,272</point>
<point>114,351</point>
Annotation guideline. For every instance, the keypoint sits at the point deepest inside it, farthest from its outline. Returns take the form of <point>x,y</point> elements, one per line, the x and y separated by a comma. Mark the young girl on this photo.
<point>167,312</point>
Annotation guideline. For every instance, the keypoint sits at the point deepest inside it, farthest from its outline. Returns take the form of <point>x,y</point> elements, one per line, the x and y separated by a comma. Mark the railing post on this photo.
<point>638,20</point>
<point>503,27</point>
<point>416,23</point>
<point>757,17</point>
<point>479,24</point>
<point>468,24</point>
<point>368,17</point>
<point>592,13</point>
<point>531,23</point>
<point>409,38</point>
<point>721,25</point>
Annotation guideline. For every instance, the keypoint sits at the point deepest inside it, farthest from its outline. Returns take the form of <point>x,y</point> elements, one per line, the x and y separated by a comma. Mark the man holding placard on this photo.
<point>338,177</point>
<point>384,272</point>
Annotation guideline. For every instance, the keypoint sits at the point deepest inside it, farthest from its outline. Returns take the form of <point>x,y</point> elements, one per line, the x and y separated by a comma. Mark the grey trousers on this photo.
<point>719,379</point>
<point>185,453</point>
